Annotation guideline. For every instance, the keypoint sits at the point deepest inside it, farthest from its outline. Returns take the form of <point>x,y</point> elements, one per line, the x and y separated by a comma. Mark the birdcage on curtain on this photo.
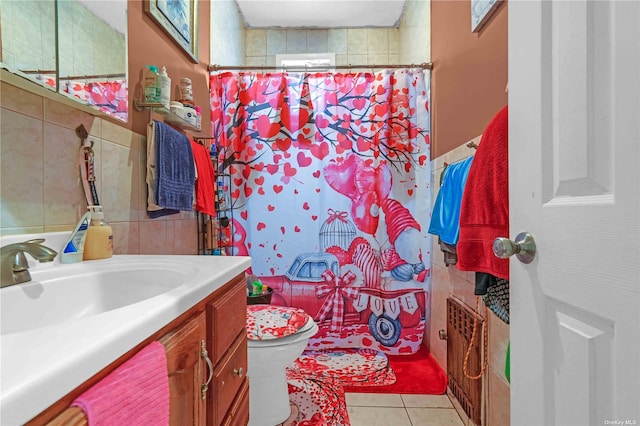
<point>337,230</point>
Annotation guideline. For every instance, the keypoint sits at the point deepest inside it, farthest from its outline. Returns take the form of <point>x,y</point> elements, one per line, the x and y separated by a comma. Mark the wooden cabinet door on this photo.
<point>227,316</point>
<point>186,371</point>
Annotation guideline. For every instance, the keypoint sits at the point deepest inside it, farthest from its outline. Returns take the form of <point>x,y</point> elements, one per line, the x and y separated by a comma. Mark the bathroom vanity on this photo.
<point>214,328</point>
<point>200,322</point>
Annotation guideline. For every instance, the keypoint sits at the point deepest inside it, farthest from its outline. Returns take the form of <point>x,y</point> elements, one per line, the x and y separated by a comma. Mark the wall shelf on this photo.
<point>167,116</point>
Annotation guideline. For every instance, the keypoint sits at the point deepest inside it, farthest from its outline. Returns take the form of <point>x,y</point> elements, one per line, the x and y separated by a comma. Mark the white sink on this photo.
<point>70,292</point>
<point>71,321</point>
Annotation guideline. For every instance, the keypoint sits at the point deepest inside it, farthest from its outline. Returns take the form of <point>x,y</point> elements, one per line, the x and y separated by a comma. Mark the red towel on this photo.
<point>134,394</point>
<point>205,202</point>
<point>484,212</point>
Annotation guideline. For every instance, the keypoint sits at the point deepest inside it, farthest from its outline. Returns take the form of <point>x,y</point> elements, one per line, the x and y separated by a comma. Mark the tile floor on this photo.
<point>369,409</point>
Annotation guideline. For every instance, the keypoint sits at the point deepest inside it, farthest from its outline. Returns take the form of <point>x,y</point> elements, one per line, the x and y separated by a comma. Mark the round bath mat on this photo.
<point>348,367</point>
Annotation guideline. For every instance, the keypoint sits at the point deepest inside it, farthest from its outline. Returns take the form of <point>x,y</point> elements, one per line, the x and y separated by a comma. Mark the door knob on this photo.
<point>524,247</point>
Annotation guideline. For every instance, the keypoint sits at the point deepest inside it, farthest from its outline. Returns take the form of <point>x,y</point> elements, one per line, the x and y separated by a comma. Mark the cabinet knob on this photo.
<point>238,372</point>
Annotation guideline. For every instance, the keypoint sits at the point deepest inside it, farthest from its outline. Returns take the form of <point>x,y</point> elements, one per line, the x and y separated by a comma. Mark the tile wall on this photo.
<point>351,45</point>
<point>415,32</point>
<point>40,187</point>
<point>451,282</point>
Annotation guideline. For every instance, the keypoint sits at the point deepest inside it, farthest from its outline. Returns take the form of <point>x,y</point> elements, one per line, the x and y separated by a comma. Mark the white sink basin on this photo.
<point>72,292</point>
<point>71,321</point>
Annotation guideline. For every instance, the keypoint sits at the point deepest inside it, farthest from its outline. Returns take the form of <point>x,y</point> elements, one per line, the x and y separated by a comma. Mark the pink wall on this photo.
<point>469,74</point>
<point>467,89</point>
<point>149,44</point>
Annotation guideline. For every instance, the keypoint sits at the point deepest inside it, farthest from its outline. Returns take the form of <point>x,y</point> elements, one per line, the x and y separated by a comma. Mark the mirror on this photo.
<point>91,55</point>
<point>28,40</point>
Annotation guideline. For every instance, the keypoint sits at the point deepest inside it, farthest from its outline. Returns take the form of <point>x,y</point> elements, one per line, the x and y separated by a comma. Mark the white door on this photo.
<point>574,184</point>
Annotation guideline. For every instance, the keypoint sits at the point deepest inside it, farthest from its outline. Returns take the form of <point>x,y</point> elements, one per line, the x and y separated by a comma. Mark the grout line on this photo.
<point>407,413</point>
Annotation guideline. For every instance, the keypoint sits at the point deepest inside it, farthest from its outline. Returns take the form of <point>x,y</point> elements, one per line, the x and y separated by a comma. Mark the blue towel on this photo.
<point>175,171</point>
<point>445,218</point>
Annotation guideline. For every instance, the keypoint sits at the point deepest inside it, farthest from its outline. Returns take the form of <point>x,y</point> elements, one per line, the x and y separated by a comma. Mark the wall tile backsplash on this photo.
<point>40,187</point>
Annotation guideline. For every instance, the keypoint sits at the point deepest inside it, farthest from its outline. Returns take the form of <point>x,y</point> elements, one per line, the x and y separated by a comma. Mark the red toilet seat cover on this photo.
<point>266,322</point>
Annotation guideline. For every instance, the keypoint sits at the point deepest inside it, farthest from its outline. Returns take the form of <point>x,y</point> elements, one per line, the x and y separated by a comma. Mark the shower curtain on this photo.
<point>110,96</point>
<point>327,176</point>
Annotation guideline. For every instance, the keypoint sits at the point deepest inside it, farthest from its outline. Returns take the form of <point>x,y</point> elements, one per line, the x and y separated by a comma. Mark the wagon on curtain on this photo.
<point>313,283</point>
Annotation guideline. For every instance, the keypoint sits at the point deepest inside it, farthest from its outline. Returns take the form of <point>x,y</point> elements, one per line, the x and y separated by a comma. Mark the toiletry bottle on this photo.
<point>73,249</point>
<point>257,288</point>
<point>99,242</point>
<point>198,117</point>
<point>152,85</point>
<point>165,88</point>
<point>186,92</point>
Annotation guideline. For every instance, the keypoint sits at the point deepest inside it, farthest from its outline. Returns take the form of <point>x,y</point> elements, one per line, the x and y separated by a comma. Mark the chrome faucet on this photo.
<point>14,265</point>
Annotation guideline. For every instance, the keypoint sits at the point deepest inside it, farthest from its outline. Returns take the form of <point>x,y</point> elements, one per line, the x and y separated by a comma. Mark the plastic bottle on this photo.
<point>257,288</point>
<point>152,85</point>
<point>165,88</point>
<point>99,242</point>
<point>73,249</point>
<point>198,117</point>
<point>186,92</point>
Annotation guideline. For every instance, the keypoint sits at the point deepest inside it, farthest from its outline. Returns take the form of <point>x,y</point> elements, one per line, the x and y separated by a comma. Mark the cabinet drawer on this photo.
<point>239,413</point>
<point>227,317</point>
<point>228,376</point>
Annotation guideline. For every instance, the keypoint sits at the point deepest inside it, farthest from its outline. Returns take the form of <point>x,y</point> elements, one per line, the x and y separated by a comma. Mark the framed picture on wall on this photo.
<point>481,10</point>
<point>179,19</point>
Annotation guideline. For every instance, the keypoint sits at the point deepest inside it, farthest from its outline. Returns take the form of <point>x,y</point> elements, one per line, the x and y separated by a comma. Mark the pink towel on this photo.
<point>134,394</point>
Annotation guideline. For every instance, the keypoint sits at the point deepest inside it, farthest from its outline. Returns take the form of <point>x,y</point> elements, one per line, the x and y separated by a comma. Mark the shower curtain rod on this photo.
<point>215,67</point>
<point>85,77</point>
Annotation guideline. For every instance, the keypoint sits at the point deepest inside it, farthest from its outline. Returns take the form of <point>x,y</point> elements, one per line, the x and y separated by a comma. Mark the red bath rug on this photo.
<point>415,374</point>
<point>317,379</point>
<point>318,402</point>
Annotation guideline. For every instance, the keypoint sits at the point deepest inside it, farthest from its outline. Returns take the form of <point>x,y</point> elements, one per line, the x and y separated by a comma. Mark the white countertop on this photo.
<point>40,366</point>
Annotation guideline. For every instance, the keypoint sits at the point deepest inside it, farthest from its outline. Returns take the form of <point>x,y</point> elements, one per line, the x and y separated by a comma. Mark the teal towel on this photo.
<point>175,171</point>
<point>445,218</point>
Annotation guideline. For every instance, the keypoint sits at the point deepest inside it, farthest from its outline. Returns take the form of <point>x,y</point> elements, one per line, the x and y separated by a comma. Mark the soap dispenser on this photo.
<point>165,88</point>
<point>99,240</point>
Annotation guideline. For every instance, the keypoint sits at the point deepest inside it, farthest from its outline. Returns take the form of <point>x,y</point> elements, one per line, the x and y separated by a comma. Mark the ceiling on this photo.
<point>321,13</point>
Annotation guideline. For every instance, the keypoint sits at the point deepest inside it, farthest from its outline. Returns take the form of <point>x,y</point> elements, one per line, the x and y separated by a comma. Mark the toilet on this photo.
<point>276,337</point>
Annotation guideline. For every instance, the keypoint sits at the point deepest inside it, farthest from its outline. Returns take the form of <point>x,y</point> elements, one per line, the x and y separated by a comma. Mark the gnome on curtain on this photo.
<point>404,259</point>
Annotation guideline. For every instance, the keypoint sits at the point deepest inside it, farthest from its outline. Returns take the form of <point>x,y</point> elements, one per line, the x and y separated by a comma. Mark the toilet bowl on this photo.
<point>276,337</point>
